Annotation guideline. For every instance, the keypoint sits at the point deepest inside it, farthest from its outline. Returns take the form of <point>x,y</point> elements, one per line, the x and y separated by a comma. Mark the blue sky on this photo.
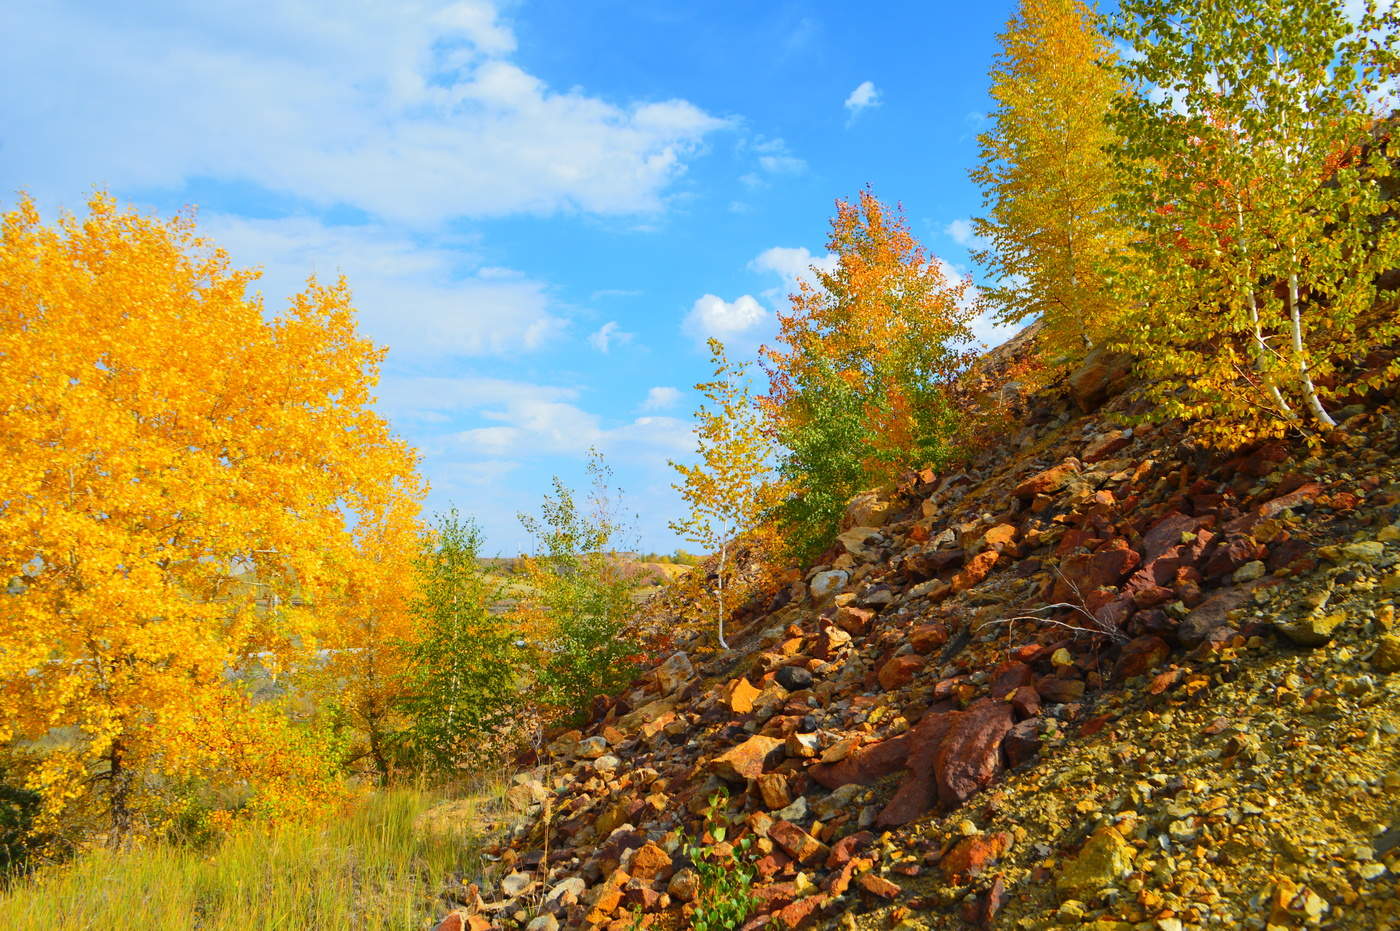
<point>543,208</point>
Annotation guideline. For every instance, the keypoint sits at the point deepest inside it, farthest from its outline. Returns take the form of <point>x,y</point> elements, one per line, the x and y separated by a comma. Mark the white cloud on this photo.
<point>962,232</point>
<point>608,335</point>
<point>412,113</point>
<point>661,398</point>
<point>712,316</point>
<point>862,98</point>
<point>423,301</point>
<point>793,264</point>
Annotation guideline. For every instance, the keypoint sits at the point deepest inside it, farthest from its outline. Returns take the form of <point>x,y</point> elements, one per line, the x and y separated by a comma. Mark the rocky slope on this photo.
<point>1100,679</point>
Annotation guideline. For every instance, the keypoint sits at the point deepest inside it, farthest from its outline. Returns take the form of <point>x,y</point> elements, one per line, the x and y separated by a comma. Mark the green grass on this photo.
<point>368,868</point>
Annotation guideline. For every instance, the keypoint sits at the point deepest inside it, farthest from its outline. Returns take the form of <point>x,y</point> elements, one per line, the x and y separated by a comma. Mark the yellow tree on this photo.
<point>728,489</point>
<point>1047,182</point>
<point>187,489</point>
<point>860,379</point>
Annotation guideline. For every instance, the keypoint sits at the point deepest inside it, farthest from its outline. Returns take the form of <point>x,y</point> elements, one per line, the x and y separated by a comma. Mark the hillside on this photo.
<point>909,746</point>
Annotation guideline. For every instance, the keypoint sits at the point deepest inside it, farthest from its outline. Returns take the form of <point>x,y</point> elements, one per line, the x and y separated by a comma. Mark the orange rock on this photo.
<point>773,787</point>
<point>899,671</point>
<point>853,620</point>
<point>878,886</point>
<point>748,759</point>
<point>971,855</point>
<point>649,862</point>
<point>1049,481</point>
<point>977,569</point>
<point>739,695</point>
<point>800,845</point>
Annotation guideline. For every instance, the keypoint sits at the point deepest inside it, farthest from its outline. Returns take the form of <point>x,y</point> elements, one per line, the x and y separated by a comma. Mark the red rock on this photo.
<point>971,855</point>
<point>1140,655</point>
<point>454,921</point>
<point>865,765</point>
<point>846,848</point>
<point>1057,689</point>
<point>1100,376</point>
<point>1081,573</point>
<point>773,788</point>
<point>853,620</point>
<point>899,671</point>
<point>927,637</point>
<point>1049,481</point>
<point>921,566</point>
<point>969,755</point>
<point>1230,554</point>
<point>798,844</point>
<point>1105,445</point>
<point>1166,534</point>
<point>1308,492</point>
<point>1212,613</point>
<point>1008,677</point>
<point>918,792</point>
<point>878,886</point>
<point>977,569</point>
<point>1022,742</point>
<point>799,913</point>
<point>1000,537</point>
<point>1092,726</point>
<point>748,759</point>
<point>1026,701</point>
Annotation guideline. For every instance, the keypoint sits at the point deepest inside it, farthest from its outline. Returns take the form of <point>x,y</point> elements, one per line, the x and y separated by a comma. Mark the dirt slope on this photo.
<point>914,738</point>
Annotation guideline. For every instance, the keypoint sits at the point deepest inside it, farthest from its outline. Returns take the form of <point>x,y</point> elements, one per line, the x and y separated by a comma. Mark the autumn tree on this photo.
<point>186,485</point>
<point>1047,182</point>
<point>580,595</point>
<point>860,378</point>
<point>728,489</point>
<point>1252,169</point>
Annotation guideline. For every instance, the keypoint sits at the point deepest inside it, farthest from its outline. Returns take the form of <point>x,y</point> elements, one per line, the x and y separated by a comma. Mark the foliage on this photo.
<point>581,596</point>
<point>367,865</point>
<point>728,490</point>
<point>464,659</point>
<point>859,385</point>
<point>1047,182</point>
<point>1249,173</point>
<point>726,898</point>
<point>183,480</point>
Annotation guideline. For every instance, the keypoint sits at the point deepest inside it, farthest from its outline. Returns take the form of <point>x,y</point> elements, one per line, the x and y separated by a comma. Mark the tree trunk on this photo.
<point>119,796</point>
<point>1309,392</point>
<point>719,591</point>
<point>1274,394</point>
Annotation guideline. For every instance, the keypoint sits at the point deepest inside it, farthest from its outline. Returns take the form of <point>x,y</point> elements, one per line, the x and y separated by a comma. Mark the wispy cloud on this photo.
<point>608,335</point>
<point>862,98</point>
<point>661,398</point>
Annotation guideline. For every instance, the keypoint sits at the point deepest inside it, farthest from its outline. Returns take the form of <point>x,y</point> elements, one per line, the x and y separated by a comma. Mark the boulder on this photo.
<point>825,585</point>
<point>1049,481</point>
<point>674,673</point>
<point>1101,375</point>
<point>867,509</point>
<point>1104,859</point>
<point>969,755</point>
<point>748,759</point>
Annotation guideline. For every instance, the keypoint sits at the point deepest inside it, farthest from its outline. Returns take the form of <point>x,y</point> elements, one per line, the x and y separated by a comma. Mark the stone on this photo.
<point>1387,655</point>
<point>969,755</point>
<point>899,671</point>
<point>878,886</point>
<point>999,538</point>
<point>794,678</point>
<point>1250,571</point>
<point>606,764</point>
<point>1140,655</point>
<point>976,569</point>
<point>649,862</point>
<point>544,922</point>
<point>1082,573</point>
<point>739,695</point>
<point>1022,742</point>
<point>515,885</point>
<point>749,759</point>
<point>825,585</point>
<point>1311,630</point>
<point>797,843</point>
<point>674,673</point>
<point>928,637</point>
<point>1049,481</point>
<point>864,766</point>
<point>854,541</point>
<point>565,892</point>
<point>1059,690</point>
<point>684,886</point>
<point>918,792</point>
<point>1101,375</point>
<point>1211,614</point>
<point>773,789</point>
<point>838,800</point>
<point>1104,859</point>
<point>853,620</point>
<point>867,509</point>
<point>592,747</point>
<point>972,854</point>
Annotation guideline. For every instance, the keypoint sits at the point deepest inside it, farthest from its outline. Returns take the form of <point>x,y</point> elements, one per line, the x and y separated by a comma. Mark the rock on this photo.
<point>1311,630</point>
<point>1022,742</point>
<point>591,748</point>
<point>825,585</point>
<point>1081,573</point>
<point>544,922</point>
<point>1210,614</point>
<point>794,678</point>
<point>748,759</point>
<point>1049,481</point>
<point>1140,655</point>
<point>1250,571</point>
<point>864,766</point>
<point>773,789</point>
<point>928,637</point>
<point>853,541</point>
<point>899,671</point>
<point>798,844</point>
<point>878,886</point>
<point>565,892</point>
<point>839,799</point>
<point>801,746</point>
<point>1059,690</point>
<point>1104,859</point>
<point>606,764</point>
<point>867,509</point>
<point>685,885</point>
<point>971,855</point>
<point>739,695</point>
<point>1101,375</point>
<point>454,921</point>
<point>969,755</point>
<point>977,569</point>
<point>918,792</point>
<point>649,862</point>
<point>674,673</point>
<point>514,885</point>
<point>999,538</point>
<point>853,620</point>
<point>1387,655</point>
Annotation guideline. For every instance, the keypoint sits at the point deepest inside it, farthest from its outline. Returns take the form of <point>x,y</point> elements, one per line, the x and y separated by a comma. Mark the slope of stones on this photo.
<point>1099,678</point>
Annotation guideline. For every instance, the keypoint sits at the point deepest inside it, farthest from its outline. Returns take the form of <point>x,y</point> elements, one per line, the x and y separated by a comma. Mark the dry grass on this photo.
<point>368,868</point>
